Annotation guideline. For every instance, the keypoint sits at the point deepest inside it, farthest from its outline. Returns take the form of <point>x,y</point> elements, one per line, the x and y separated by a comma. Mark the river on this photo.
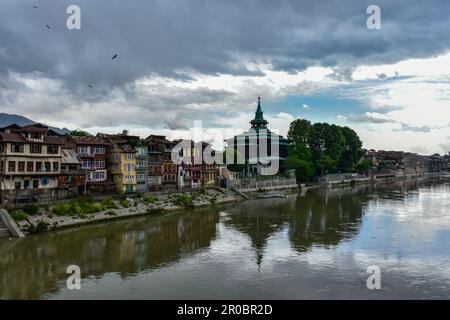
<point>314,245</point>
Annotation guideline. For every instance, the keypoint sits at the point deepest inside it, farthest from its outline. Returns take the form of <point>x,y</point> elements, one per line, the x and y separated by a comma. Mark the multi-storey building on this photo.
<point>170,169</point>
<point>30,158</point>
<point>162,171</point>
<point>72,176</point>
<point>155,148</point>
<point>141,167</point>
<point>210,169</point>
<point>91,151</point>
<point>121,160</point>
<point>190,169</point>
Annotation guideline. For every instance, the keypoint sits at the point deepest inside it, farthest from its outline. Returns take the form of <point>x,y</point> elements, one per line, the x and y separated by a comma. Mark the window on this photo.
<point>35,136</point>
<point>11,166</point>
<point>35,184</point>
<point>129,167</point>
<point>129,156</point>
<point>21,166</point>
<point>17,148</point>
<point>86,164</point>
<point>30,166</point>
<point>52,149</point>
<point>98,176</point>
<point>129,179</point>
<point>83,150</point>
<point>39,167</point>
<point>98,164</point>
<point>98,150</point>
<point>36,148</point>
<point>2,166</point>
<point>55,166</point>
<point>47,167</point>
<point>26,184</point>
<point>2,147</point>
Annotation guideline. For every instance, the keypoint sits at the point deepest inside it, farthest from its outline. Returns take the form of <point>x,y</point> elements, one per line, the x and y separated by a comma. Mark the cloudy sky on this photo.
<point>208,60</point>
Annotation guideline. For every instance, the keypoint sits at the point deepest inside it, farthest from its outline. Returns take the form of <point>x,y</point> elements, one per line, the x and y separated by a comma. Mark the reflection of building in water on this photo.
<point>37,265</point>
<point>259,222</point>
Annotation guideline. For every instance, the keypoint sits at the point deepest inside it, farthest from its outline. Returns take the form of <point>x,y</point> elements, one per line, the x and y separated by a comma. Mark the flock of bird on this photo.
<point>115,56</point>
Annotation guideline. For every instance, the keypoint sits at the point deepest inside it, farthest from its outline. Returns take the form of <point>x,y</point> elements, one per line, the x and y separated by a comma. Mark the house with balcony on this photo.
<point>72,176</point>
<point>30,159</point>
<point>92,151</point>
<point>141,167</point>
<point>121,155</point>
<point>190,169</point>
<point>162,172</point>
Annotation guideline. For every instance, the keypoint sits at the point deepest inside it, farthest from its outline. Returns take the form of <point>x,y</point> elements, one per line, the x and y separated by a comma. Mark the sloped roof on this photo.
<point>89,140</point>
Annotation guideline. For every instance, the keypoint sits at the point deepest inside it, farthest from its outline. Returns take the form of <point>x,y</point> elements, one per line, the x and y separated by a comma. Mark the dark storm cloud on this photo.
<point>162,37</point>
<point>210,36</point>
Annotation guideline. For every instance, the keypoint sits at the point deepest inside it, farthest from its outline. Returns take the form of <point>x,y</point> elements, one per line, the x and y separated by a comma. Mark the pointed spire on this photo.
<point>259,121</point>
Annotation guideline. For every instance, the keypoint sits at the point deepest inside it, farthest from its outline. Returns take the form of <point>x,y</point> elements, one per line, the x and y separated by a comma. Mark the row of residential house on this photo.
<point>406,163</point>
<point>36,161</point>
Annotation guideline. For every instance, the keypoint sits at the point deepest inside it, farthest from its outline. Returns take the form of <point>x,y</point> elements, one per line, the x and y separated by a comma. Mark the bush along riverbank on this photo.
<point>33,218</point>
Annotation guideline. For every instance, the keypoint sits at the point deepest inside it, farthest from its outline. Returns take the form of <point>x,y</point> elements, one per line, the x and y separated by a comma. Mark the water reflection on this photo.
<point>403,225</point>
<point>33,266</point>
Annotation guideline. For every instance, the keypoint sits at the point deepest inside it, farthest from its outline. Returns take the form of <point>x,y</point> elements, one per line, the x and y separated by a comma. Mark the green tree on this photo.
<point>299,152</point>
<point>299,159</point>
<point>300,132</point>
<point>383,166</point>
<point>364,166</point>
<point>327,145</point>
<point>352,153</point>
<point>78,133</point>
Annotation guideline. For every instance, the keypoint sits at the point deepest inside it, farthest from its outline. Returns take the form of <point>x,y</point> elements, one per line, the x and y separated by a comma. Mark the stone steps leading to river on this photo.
<point>4,231</point>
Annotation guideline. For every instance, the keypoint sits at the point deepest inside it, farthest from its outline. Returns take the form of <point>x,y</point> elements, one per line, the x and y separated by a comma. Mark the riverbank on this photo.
<point>80,212</point>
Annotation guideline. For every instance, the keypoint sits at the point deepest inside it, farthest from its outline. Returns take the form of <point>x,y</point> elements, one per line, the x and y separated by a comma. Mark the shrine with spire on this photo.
<point>259,148</point>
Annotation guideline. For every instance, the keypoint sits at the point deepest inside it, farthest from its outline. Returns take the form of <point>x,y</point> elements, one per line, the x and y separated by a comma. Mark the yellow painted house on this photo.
<point>121,163</point>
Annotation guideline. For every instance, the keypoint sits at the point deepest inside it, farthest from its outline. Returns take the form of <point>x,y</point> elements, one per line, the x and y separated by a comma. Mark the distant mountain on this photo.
<point>7,119</point>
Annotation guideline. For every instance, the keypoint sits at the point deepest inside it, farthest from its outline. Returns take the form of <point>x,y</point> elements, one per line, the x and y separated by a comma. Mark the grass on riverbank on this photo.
<point>18,215</point>
<point>82,207</point>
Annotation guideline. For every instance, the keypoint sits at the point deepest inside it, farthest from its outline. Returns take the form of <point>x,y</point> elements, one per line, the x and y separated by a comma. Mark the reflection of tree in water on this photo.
<point>33,266</point>
<point>325,217</point>
<point>322,217</point>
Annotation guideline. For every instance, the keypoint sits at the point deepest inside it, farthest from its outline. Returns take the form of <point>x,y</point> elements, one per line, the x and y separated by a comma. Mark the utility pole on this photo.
<point>85,181</point>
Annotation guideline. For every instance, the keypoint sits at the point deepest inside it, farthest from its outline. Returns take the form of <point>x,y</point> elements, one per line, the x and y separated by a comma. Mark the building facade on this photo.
<point>141,167</point>
<point>121,161</point>
<point>91,151</point>
<point>162,171</point>
<point>30,158</point>
<point>72,176</point>
<point>262,152</point>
